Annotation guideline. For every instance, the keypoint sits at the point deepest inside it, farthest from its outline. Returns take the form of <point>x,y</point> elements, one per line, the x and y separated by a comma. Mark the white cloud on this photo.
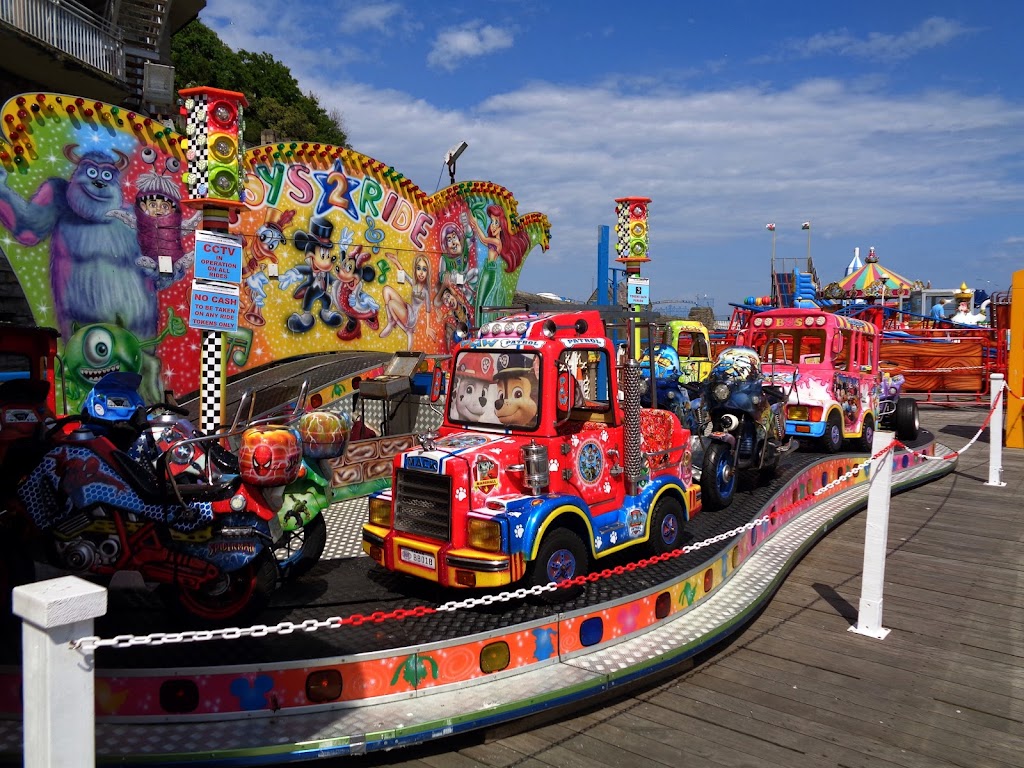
<point>468,41</point>
<point>371,16</point>
<point>930,33</point>
<point>862,163</point>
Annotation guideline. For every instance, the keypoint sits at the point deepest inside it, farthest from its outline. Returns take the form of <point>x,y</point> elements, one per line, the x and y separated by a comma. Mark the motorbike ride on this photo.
<point>126,488</point>
<point>744,424</point>
<point>669,393</point>
<point>301,504</point>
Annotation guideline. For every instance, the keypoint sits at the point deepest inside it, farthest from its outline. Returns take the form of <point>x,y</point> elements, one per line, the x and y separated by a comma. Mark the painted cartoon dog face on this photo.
<point>517,401</point>
<point>473,399</point>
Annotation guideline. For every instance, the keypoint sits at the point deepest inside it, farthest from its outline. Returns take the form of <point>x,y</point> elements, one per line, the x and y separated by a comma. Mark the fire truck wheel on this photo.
<point>867,434</point>
<point>562,555</point>
<point>908,420</point>
<point>832,440</point>
<point>666,526</point>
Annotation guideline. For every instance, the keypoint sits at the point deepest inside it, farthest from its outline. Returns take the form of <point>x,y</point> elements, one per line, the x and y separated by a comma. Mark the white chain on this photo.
<point>90,644</point>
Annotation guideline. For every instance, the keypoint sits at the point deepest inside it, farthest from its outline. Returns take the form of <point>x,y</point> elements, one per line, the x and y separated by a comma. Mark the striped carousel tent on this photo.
<point>868,281</point>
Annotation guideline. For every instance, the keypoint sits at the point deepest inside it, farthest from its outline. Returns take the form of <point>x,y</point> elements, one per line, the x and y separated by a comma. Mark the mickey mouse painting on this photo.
<point>518,393</point>
<point>314,278</point>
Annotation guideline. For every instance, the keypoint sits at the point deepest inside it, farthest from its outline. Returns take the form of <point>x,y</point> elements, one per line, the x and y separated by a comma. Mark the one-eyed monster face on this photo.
<point>95,350</point>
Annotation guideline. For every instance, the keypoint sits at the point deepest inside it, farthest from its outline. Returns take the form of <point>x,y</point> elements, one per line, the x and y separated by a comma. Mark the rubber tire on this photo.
<point>716,491</point>
<point>666,530</point>
<point>832,440</point>
<point>297,562</point>
<point>250,586</point>
<point>907,419</point>
<point>562,555</point>
<point>867,434</point>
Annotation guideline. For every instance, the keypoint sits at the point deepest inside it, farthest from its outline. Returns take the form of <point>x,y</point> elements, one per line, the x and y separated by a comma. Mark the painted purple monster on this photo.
<point>94,271</point>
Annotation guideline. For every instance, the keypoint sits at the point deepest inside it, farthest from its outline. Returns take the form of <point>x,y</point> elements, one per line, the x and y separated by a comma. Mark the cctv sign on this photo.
<point>218,257</point>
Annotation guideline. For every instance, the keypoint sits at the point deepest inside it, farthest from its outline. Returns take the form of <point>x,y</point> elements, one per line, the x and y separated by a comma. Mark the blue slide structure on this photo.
<point>805,293</point>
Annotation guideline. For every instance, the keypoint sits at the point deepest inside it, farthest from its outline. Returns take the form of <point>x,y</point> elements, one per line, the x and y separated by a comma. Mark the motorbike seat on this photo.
<point>208,491</point>
<point>154,490</point>
<point>142,478</point>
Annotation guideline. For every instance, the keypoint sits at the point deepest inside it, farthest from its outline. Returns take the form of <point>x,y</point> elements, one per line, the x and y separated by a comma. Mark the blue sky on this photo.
<point>886,124</point>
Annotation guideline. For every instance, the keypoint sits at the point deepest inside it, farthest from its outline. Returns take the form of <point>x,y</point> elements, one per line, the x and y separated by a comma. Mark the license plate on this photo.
<point>418,558</point>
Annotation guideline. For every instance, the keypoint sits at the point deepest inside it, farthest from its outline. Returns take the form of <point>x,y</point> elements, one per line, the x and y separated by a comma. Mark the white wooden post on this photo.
<point>995,432</point>
<point>869,617</point>
<point>57,681</point>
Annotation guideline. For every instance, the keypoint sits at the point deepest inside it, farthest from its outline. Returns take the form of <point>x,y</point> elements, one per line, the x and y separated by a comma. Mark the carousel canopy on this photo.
<point>869,279</point>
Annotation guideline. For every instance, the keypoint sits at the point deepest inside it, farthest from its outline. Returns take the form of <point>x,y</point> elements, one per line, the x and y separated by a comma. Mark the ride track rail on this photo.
<point>619,629</point>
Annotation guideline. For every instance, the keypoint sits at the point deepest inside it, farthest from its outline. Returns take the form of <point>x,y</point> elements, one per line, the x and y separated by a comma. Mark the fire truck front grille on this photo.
<point>423,504</point>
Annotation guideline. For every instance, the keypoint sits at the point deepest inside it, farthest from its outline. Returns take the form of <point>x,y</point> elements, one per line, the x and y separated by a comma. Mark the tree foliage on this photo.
<point>276,102</point>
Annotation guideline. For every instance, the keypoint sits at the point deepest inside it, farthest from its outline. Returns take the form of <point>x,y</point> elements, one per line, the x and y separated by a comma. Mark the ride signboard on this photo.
<point>214,306</point>
<point>639,290</point>
<point>218,257</point>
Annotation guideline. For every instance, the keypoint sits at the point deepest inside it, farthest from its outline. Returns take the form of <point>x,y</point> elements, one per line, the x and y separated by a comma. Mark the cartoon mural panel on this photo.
<point>340,250</point>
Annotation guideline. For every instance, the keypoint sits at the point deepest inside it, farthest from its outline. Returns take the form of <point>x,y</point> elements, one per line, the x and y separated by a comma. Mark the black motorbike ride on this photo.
<point>743,422</point>
<point>117,490</point>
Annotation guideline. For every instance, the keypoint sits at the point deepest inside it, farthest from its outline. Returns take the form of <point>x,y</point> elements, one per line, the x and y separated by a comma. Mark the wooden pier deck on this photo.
<point>795,688</point>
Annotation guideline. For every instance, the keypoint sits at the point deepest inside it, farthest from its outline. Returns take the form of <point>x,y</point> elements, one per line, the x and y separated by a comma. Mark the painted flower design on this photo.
<point>460,493</point>
<point>520,530</point>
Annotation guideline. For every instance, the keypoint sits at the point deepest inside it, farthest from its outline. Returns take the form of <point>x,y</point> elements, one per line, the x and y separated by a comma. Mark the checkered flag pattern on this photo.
<point>622,230</point>
<point>211,374</point>
<point>198,134</point>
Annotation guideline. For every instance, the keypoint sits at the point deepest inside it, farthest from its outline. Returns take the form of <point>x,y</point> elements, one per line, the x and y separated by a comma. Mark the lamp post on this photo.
<point>807,226</point>
<point>774,293</point>
<point>452,156</point>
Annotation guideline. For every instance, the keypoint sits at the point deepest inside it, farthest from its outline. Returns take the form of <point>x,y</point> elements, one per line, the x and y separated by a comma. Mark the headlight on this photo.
<point>380,511</point>
<point>485,535</point>
<point>237,503</point>
<point>720,392</point>
<point>797,412</point>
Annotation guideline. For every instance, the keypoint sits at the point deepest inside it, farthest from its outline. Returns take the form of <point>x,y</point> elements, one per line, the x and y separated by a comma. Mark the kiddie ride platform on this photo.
<point>354,659</point>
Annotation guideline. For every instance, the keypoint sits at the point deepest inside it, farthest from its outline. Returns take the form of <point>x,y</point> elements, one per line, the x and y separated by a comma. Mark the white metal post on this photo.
<point>876,537</point>
<point>57,680</point>
<point>995,431</point>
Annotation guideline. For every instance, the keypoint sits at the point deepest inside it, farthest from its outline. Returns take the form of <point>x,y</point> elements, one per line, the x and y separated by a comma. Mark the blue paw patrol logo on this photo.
<point>590,462</point>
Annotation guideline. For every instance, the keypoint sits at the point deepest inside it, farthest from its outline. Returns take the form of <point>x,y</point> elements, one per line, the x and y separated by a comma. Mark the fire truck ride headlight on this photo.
<point>485,535</point>
<point>720,392</point>
<point>797,412</point>
<point>380,511</point>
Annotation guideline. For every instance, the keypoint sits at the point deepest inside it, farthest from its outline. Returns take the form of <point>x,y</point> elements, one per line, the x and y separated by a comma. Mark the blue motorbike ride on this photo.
<point>743,424</point>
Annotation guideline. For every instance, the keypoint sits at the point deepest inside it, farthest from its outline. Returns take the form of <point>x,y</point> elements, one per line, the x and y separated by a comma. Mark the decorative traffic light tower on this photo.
<point>214,178</point>
<point>632,248</point>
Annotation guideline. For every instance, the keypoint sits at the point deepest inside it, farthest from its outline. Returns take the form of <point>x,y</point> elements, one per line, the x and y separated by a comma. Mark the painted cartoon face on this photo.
<point>270,237</point>
<point>422,271</point>
<point>157,206</point>
<point>472,398</point>
<point>321,259</point>
<point>345,269</point>
<point>516,405</point>
<point>262,458</point>
<point>452,243</point>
